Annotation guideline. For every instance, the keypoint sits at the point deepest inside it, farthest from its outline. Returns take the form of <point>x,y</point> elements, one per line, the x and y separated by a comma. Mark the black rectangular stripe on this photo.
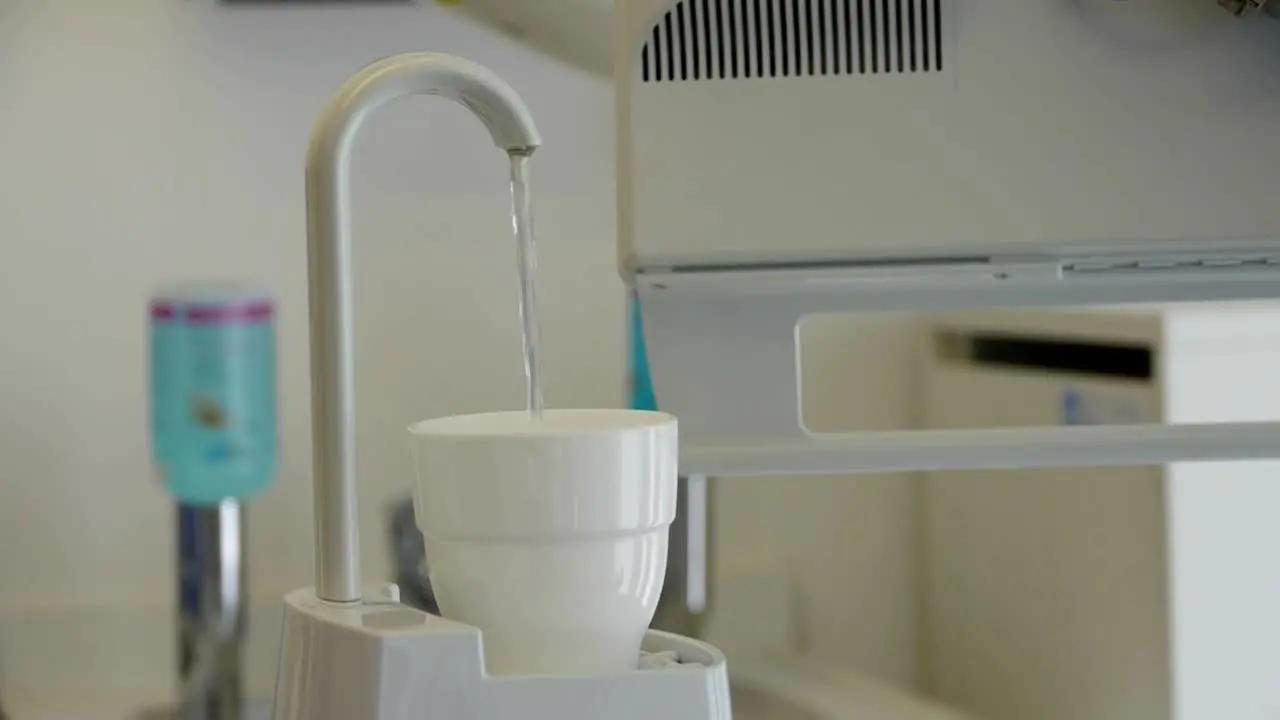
<point>719,39</point>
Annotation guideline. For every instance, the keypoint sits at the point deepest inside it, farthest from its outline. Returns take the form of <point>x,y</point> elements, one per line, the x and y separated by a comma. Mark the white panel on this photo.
<point>1223,532</point>
<point>1049,121</point>
<point>1045,589</point>
<point>1109,593</point>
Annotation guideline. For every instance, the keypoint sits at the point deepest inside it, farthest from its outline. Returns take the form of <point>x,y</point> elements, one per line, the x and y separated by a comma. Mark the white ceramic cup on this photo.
<point>549,535</point>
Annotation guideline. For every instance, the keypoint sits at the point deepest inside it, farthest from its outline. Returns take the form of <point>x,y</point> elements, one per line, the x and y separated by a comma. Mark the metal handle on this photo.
<point>211,618</point>
<point>686,596</point>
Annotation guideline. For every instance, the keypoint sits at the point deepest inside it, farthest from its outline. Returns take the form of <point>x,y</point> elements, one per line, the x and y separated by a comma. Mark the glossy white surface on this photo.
<point>549,535</point>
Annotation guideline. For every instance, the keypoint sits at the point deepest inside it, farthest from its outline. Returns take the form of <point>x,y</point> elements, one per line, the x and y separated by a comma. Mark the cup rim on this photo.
<point>554,423</point>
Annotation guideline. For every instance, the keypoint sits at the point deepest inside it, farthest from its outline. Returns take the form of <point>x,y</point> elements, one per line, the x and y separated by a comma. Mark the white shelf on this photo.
<point>997,449</point>
<point>722,345</point>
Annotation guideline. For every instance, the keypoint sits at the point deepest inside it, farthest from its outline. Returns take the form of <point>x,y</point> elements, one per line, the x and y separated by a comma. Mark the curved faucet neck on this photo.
<point>333,420</point>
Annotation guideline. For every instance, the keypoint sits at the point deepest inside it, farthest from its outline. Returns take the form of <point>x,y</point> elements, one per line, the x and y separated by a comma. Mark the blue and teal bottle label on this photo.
<point>213,385</point>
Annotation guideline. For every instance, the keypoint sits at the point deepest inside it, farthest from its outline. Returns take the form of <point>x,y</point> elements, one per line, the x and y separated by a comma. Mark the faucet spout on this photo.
<point>333,431</point>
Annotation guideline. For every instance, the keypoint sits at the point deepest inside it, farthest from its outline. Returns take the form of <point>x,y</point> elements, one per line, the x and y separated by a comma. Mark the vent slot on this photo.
<point>1047,355</point>
<point>698,40</point>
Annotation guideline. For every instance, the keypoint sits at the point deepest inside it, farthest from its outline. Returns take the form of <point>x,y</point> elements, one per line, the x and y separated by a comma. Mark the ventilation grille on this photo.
<point>730,39</point>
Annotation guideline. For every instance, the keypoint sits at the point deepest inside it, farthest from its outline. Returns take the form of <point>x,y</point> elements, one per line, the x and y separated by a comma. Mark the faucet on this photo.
<point>333,420</point>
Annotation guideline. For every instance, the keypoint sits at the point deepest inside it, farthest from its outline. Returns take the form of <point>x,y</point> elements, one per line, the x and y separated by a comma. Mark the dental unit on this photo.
<point>783,158</point>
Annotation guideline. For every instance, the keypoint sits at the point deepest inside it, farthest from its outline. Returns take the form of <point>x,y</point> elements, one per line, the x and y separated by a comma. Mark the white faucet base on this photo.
<point>381,660</point>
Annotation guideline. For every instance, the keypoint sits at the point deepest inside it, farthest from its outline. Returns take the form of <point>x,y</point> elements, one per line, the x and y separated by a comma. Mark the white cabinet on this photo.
<point>1096,594</point>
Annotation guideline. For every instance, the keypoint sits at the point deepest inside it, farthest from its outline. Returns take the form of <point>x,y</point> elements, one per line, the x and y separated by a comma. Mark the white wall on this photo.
<point>148,141</point>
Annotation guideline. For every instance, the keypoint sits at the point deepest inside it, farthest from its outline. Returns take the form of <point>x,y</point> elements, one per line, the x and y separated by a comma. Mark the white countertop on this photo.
<point>99,709</point>
<point>81,709</point>
<point>64,662</point>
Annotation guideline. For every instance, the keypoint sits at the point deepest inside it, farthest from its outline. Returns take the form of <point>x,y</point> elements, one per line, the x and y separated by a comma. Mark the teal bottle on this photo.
<point>213,394</point>
<point>640,384</point>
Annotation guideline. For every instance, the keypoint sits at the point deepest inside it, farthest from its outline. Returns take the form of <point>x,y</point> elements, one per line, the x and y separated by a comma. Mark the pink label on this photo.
<point>213,314</point>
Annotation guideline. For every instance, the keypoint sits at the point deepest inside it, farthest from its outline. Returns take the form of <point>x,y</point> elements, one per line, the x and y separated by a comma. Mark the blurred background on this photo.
<point>150,142</point>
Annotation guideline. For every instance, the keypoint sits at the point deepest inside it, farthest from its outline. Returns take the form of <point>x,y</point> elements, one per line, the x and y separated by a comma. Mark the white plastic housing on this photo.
<point>860,127</point>
<point>380,660</point>
<point>781,158</point>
